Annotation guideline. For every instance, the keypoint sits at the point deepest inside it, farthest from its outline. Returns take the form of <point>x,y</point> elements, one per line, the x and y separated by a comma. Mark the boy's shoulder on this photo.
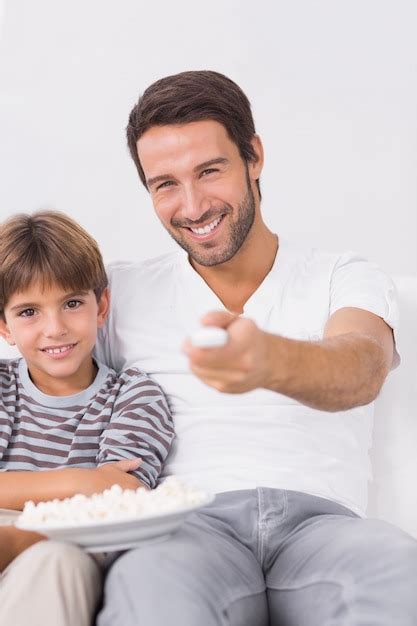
<point>133,379</point>
<point>9,368</point>
<point>132,374</point>
<point>131,386</point>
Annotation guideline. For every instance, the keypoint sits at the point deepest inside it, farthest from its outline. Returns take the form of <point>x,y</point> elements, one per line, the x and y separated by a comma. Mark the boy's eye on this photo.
<point>73,304</point>
<point>27,313</point>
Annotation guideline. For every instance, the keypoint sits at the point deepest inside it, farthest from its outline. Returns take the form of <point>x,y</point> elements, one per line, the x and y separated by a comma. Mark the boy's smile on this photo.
<point>59,352</point>
<point>55,331</point>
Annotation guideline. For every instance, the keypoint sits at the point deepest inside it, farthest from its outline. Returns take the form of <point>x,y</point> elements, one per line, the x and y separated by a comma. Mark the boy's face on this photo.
<point>55,331</point>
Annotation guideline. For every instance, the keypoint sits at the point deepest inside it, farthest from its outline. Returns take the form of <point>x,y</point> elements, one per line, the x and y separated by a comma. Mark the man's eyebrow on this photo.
<point>156,179</point>
<point>217,161</point>
<point>197,168</point>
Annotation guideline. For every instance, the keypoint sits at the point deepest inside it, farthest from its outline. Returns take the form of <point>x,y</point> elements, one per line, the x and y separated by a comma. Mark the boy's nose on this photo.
<point>55,327</point>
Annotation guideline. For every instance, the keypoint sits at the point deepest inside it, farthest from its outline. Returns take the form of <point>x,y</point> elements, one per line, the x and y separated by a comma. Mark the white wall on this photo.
<point>333,87</point>
<point>334,92</point>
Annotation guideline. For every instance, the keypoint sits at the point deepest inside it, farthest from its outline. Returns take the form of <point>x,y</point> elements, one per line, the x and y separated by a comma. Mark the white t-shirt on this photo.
<point>261,438</point>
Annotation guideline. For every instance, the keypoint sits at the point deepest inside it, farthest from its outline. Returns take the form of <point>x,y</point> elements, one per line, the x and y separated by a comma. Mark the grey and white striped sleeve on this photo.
<point>141,425</point>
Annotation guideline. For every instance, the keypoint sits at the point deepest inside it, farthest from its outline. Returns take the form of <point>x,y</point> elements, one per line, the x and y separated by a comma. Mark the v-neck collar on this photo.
<point>259,303</point>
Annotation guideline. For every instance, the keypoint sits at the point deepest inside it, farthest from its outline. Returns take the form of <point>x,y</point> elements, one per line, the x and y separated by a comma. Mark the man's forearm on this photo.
<point>334,374</point>
<point>16,488</point>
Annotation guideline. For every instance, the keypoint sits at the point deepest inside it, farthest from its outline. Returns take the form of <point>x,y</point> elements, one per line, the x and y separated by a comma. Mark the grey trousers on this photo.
<point>268,557</point>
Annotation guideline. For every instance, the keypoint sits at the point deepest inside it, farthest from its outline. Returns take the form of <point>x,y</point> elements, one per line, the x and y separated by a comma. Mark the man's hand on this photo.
<point>241,365</point>
<point>344,369</point>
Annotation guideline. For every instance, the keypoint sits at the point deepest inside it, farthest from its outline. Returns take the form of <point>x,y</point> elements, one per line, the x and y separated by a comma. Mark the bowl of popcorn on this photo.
<point>115,519</point>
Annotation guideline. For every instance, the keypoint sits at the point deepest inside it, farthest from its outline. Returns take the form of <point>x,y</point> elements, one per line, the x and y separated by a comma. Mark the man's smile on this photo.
<point>206,231</point>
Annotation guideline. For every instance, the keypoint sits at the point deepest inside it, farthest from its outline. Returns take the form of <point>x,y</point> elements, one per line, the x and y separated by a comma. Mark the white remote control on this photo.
<point>209,337</point>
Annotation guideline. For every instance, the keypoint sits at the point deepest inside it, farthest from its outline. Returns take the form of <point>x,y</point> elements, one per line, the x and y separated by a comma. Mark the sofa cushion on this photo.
<point>393,494</point>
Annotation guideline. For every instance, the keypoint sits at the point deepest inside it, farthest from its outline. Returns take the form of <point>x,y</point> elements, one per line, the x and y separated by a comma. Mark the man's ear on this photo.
<point>256,166</point>
<point>103,307</point>
<point>5,333</point>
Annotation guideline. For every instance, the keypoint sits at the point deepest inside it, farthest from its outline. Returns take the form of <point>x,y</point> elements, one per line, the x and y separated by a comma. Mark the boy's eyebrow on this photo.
<point>23,305</point>
<point>67,296</point>
<point>200,166</point>
<point>80,292</point>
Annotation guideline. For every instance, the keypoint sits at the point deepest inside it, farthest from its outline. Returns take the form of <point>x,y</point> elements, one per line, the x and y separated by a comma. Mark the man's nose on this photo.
<point>54,326</point>
<point>194,203</point>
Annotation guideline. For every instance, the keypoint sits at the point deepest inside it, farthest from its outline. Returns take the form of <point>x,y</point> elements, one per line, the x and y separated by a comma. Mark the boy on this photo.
<point>67,424</point>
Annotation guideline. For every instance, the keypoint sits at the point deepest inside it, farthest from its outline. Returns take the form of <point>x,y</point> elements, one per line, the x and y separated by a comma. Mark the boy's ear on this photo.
<point>103,307</point>
<point>5,333</point>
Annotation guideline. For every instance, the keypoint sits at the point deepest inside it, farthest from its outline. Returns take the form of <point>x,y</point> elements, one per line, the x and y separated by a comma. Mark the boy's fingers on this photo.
<point>128,465</point>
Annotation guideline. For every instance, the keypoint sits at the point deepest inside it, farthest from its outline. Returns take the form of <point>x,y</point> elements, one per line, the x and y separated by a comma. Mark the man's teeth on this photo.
<point>57,350</point>
<point>206,229</point>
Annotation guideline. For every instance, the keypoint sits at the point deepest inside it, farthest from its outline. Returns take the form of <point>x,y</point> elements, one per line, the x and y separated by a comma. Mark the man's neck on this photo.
<point>236,280</point>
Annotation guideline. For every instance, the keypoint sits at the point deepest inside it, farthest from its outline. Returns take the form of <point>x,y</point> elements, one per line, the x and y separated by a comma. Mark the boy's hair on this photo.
<point>50,248</point>
<point>191,97</point>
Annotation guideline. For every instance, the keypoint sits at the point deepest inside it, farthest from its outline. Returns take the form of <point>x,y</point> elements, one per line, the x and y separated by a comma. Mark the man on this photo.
<point>277,422</point>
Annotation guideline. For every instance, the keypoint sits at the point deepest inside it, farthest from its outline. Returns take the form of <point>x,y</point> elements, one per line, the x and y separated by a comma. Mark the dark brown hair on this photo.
<point>50,248</point>
<point>191,97</point>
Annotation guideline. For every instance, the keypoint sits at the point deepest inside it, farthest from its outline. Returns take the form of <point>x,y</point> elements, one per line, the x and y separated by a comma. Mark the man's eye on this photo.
<point>164,185</point>
<point>209,170</point>
<point>73,304</point>
<point>27,313</point>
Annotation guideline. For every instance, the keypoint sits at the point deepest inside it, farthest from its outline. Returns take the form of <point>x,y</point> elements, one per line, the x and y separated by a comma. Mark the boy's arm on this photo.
<point>131,453</point>
<point>13,542</point>
<point>16,488</point>
<point>141,426</point>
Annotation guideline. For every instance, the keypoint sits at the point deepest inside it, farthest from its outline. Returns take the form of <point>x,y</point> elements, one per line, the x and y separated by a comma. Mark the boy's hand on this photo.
<point>118,472</point>
<point>16,488</point>
<point>89,481</point>
<point>13,541</point>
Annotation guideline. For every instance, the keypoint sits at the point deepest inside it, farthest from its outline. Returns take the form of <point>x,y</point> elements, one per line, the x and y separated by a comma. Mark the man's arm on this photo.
<point>345,369</point>
<point>16,488</point>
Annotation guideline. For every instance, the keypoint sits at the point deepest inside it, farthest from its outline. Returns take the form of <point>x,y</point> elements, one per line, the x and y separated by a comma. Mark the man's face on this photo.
<point>201,188</point>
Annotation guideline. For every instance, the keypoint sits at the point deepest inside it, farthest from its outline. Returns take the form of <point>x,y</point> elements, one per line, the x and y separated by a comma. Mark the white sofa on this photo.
<point>393,494</point>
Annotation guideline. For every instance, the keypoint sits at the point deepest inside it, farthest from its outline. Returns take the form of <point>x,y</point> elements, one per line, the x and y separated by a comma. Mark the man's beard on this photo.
<point>239,230</point>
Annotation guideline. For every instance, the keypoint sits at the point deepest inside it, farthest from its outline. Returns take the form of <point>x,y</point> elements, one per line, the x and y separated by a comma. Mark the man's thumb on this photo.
<point>221,319</point>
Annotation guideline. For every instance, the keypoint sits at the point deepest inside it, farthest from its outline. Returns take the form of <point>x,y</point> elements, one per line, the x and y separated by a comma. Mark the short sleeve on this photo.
<point>356,282</point>
<point>140,426</point>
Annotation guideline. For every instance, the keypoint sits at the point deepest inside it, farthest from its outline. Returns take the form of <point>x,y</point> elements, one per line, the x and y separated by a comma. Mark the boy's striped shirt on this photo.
<point>120,416</point>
